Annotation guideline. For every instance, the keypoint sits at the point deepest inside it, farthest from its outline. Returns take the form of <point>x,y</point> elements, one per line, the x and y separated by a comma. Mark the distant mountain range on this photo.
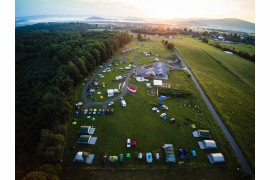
<point>230,24</point>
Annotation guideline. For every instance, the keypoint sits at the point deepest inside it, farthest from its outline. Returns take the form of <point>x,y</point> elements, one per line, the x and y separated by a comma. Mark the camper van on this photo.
<point>123,102</point>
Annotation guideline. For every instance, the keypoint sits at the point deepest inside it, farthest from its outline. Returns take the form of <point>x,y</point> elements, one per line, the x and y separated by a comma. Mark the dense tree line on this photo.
<point>167,44</point>
<point>49,65</point>
<point>161,31</point>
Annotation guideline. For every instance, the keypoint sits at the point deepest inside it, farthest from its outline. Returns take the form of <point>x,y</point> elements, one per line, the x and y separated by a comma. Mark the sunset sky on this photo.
<point>241,9</point>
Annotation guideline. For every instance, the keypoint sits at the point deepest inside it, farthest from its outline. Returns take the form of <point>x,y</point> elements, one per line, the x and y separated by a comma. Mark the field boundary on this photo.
<point>227,69</point>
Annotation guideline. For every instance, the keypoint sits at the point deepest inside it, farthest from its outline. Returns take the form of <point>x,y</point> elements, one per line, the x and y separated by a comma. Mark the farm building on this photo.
<point>204,133</point>
<point>84,157</point>
<point>84,139</point>
<point>159,70</point>
<point>207,144</point>
<point>216,158</point>
<point>169,153</point>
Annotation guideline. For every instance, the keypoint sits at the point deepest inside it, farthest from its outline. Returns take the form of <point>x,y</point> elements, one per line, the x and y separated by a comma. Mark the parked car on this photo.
<point>187,154</point>
<point>154,108</point>
<point>128,143</point>
<point>165,107</point>
<point>90,111</point>
<point>182,154</point>
<point>102,112</point>
<point>149,158</point>
<point>99,111</point>
<point>107,111</point>
<point>94,111</point>
<point>163,115</point>
<point>111,104</point>
<point>111,111</point>
<point>81,111</point>
<point>157,111</point>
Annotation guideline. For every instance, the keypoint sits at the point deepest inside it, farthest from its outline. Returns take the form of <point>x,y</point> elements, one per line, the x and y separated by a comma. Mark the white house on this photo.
<point>170,37</point>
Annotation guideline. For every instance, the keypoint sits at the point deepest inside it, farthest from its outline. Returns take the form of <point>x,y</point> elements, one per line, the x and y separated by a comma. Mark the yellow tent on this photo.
<point>101,97</point>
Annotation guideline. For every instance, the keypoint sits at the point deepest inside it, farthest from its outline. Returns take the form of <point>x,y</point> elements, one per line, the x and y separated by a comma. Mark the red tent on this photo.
<point>132,89</point>
<point>133,143</point>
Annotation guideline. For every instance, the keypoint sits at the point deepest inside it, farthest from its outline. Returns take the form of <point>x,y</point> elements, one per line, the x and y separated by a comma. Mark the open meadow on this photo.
<point>228,80</point>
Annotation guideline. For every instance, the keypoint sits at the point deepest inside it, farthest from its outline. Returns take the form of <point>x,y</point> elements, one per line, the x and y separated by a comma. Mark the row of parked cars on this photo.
<point>99,112</point>
<point>184,154</point>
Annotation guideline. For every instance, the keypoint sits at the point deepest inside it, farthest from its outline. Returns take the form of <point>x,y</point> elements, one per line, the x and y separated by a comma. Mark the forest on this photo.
<point>50,61</point>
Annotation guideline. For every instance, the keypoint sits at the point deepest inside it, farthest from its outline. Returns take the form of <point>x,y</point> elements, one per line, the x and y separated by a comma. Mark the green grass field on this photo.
<point>228,81</point>
<point>138,122</point>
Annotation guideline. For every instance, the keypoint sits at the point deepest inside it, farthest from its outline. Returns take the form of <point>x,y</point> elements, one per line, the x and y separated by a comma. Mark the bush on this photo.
<point>174,92</point>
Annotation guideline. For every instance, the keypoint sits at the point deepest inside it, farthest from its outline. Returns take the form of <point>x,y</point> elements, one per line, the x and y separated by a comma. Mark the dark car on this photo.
<point>111,111</point>
<point>187,154</point>
<point>102,112</point>
<point>99,111</point>
<point>90,111</point>
<point>107,111</point>
<point>131,62</point>
<point>182,154</point>
<point>122,71</point>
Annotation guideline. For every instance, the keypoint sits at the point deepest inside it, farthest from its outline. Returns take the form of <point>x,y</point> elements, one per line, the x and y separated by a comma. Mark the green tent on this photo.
<point>113,159</point>
<point>193,126</point>
<point>204,133</point>
<point>84,139</point>
<point>84,129</point>
<point>88,117</point>
<point>74,123</point>
<point>128,155</point>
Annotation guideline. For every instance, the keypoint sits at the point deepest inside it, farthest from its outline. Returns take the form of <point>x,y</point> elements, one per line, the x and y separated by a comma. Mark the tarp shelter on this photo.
<point>169,153</point>
<point>85,129</point>
<point>163,97</point>
<point>207,144</point>
<point>216,158</point>
<point>193,126</point>
<point>165,118</point>
<point>84,139</point>
<point>113,159</point>
<point>133,143</point>
<point>132,89</point>
<point>128,155</point>
<point>159,103</point>
<point>204,133</point>
<point>84,157</point>
<point>157,83</point>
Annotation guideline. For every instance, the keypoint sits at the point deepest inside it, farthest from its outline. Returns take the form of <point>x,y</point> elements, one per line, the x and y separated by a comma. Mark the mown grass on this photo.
<point>140,123</point>
<point>232,94</point>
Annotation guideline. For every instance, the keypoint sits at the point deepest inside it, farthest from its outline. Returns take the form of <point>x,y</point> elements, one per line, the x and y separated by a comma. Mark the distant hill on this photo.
<point>224,24</point>
<point>95,18</point>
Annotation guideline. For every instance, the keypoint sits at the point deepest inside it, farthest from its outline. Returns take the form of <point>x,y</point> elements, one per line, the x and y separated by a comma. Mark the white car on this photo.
<point>128,143</point>
<point>154,108</point>
<point>163,115</point>
<point>157,111</point>
<point>94,111</point>
<point>85,111</point>
<point>165,107</point>
<point>111,104</point>
<point>149,158</point>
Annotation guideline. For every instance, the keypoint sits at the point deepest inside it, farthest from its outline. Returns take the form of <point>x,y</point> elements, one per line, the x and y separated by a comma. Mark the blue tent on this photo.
<point>163,97</point>
<point>94,98</point>
<point>76,112</point>
<point>165,118</point>
<point>159,103</point>
<point>193,153</point>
